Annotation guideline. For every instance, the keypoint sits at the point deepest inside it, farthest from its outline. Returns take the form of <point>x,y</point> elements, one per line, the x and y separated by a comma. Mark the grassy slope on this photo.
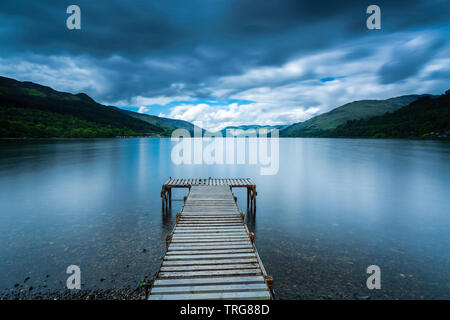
<point>351,111</point>
<point>25,104</point>
<point>183,125</point>
<point>154,120</point>
<point>428,117</point>
<point>32,123</point>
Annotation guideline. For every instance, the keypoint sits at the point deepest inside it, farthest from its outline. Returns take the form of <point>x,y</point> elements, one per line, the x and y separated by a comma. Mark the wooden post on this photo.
<point>248,197</point>
<point>170,198</point>
<point>269,281</point>
<point>251,199</point>
<point>254,199</point>
<point>167,199</point>
<point>168,240</point>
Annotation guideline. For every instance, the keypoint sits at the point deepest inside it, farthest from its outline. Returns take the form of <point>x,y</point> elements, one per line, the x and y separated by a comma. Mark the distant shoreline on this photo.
<point>143,137</point>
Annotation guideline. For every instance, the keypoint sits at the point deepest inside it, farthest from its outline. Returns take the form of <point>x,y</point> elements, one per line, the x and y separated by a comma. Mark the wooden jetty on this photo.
<point>210,253</point>
<point>166,191</point>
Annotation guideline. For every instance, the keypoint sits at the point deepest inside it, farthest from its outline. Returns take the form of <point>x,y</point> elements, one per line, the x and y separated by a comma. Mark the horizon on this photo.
<point>250,124</point>
<point>224,64</point>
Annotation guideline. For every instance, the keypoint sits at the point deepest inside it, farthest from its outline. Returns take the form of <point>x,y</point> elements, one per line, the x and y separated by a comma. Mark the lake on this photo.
<point>335,207</point>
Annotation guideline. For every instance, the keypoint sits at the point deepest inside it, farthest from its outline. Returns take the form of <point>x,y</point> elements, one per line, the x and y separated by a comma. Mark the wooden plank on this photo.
<point>256,295</point>
<point>223,241</point>
<point>211,288</point>
<point>209,242</point>
<point>212,209</point>
<point>210,273</point>
<point>210,232</point>
<point>208,281</point>
<point>194,247</point>
<point>210,256</point>
<point>203,227</point>
<point>202,218</point>
<point>182,236</point>
<point>238,226</point>
<point>207,222</point>
<point>229,219</point>
<point>210,235</point>
<point>203,215</point>
<point>216,245</point>
<point>209,229</point>
<point>206,262</point>
<point>209,252</point>
<point>210,215</point>
<point>183,223</point>
<point>209,219</point>
<point>209,205</point>
<point>208,226</point>
<point>210,223</point>
<point>227,201</point>
<point>210,267</point>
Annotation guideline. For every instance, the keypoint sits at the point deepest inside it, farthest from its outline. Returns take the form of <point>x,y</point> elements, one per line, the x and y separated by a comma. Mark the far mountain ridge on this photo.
<point>32,110</point>
<point>28,109</point>
<point>360,109</point>
<point>238,131</point>
<point>425,118</point>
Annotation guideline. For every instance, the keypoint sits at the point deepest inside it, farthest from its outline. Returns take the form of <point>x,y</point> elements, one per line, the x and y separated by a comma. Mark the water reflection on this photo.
<point>335,207</point>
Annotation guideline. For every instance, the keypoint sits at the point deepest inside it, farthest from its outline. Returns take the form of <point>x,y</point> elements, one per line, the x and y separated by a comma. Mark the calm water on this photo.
<point>334,208</point>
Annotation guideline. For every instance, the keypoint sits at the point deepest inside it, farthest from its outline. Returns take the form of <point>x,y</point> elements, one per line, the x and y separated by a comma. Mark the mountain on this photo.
<point>153,120</point>
<point>356,110</point>
<point>183,125</point>
<point>427,117</point>
<point>165,123</point>
<point>32,110</point>
<point>237,130</point>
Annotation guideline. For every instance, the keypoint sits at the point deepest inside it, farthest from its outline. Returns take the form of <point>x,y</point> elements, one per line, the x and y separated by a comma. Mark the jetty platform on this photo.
<point>210,253</point>
<point>166,190</point>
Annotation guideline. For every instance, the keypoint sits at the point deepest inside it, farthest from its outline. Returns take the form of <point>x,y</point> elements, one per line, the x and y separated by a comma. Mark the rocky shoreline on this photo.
<point>29,293</point>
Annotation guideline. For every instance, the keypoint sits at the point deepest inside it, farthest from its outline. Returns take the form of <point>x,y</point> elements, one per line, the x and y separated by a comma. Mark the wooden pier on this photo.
<point>166,191</point>
<point>210,253</point>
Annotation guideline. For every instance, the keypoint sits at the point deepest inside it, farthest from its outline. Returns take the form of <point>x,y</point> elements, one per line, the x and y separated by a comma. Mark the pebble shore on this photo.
<point>29,293</point>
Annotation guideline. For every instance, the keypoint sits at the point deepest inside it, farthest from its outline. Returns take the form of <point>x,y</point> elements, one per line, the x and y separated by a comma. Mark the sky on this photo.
<point>229,62</point>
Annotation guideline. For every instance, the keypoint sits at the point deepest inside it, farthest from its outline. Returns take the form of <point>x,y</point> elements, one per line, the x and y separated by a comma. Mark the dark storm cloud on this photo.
<point>174,26</point>
<point>143,47</point>
<point>407,61</point>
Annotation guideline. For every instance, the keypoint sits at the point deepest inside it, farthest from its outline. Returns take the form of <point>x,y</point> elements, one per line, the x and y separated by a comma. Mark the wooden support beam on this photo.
<point>170,198</point>
<point>248,197</point>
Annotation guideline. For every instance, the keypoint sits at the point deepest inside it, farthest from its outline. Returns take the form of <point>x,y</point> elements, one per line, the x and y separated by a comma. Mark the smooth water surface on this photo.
<point>335,207</point>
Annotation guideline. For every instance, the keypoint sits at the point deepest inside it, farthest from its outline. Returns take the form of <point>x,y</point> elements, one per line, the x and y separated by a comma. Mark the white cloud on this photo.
<point>143,109</point>
<point>59,72</point>
<point>293,93</point>
<point>217,117</point>
<point>284,94</point>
